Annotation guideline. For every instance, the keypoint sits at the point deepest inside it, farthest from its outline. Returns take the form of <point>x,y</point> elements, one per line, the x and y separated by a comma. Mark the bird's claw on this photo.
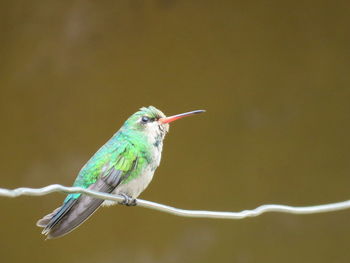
<point>128,201</point>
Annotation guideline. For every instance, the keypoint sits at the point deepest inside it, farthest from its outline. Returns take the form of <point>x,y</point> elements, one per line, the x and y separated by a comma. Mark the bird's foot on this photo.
<point>128,201</point>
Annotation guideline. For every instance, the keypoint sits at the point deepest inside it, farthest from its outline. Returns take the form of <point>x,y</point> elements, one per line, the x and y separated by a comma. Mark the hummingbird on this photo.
<point>124,166</point>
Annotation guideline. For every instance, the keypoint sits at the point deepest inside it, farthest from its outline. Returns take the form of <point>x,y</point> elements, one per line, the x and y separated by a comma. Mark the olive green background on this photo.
<point>273,77</point>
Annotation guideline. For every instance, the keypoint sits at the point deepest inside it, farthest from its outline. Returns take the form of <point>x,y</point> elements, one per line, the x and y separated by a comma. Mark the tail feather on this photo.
<point>83,209</point>
<point>76,210</point>
<point>58,215</point>
<point>43,222</point>
<point>69,216</point>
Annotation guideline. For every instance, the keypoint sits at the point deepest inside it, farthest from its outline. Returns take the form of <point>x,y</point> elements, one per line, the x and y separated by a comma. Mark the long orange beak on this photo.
<point>179,116</point>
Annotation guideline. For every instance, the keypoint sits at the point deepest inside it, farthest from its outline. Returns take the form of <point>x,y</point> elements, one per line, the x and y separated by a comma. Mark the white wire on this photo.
<point>177,211</point>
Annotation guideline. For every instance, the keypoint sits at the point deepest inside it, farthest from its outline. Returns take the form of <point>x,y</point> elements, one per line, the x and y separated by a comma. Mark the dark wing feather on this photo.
<point>75,211</point>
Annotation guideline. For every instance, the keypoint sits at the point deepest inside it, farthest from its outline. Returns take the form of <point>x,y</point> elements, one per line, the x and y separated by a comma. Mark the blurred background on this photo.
<point>273,77</point>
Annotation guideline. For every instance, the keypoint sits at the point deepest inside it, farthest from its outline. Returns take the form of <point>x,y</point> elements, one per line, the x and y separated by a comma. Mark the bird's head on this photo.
<point>153,122</point>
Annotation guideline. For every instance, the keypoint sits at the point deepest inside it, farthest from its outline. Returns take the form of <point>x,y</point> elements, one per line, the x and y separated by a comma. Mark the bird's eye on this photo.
<point>145,119</point>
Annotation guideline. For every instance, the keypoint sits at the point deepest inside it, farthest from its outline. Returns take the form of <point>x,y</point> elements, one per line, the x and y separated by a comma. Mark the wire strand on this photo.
<point>324,208</point>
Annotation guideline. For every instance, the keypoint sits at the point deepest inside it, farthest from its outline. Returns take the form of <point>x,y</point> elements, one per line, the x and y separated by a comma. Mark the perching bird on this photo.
<point>124,165</point>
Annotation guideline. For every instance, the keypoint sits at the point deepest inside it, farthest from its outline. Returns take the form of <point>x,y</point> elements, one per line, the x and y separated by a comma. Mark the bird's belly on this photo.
<point>133,188</point>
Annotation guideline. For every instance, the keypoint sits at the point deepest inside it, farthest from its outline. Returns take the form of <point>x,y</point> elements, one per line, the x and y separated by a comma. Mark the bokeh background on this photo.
<point>273,77</point>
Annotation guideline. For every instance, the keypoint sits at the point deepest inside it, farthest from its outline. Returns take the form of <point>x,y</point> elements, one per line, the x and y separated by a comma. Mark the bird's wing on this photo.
<point>78,207</point>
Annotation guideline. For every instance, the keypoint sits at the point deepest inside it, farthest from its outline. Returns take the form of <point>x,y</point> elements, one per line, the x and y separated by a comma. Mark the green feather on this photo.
<point>125,151</point>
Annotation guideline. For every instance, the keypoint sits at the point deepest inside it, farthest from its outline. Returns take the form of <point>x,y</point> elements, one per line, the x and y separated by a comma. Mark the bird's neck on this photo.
<point>145,142</point>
